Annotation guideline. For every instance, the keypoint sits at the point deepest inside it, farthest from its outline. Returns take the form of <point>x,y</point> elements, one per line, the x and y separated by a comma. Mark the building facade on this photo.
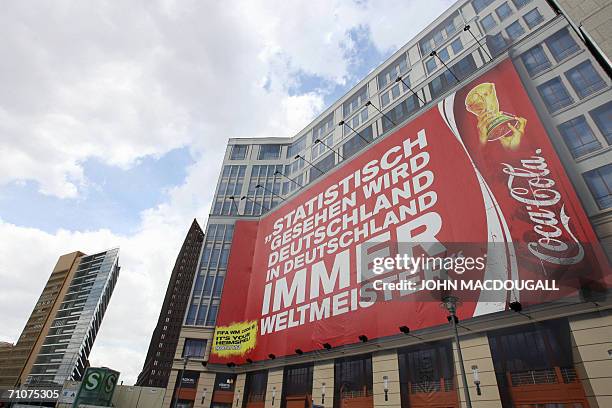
<point>165,337</point>
<point>549,353</point>
<point>56,342</point>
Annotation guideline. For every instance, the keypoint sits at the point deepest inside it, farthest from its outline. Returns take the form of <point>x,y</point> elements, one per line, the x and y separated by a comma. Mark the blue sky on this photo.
<point>114,118</point>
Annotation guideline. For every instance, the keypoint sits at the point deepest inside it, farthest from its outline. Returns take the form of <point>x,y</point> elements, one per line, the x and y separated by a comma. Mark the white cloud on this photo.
<point>119,81</point>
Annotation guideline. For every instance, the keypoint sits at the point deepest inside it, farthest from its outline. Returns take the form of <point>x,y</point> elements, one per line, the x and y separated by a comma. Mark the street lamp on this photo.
<point>181,373</point>
<point>450,304</point>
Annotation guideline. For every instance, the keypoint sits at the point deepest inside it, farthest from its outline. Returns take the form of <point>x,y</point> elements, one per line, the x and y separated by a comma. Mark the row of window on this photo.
<point>583,78</point>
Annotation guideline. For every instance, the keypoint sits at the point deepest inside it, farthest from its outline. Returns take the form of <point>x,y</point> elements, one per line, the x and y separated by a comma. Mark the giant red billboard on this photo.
<point>476,169</point>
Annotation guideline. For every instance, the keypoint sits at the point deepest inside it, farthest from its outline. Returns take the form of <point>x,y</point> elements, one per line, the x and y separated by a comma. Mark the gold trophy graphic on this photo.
<point>494,124</point>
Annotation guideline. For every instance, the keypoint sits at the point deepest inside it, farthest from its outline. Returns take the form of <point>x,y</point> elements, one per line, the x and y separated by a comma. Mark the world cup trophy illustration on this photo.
<point>494,124</point>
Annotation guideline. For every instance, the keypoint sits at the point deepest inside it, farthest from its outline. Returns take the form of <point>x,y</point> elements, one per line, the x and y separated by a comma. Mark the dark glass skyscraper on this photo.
<point>165,337</point>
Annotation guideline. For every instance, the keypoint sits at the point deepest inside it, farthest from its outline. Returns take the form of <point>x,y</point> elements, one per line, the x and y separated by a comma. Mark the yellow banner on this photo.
<point>236,339</point>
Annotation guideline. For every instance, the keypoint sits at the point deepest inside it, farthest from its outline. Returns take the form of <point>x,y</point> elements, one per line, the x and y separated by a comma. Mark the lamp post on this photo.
<point>180,378</point>
<point>450,303</point>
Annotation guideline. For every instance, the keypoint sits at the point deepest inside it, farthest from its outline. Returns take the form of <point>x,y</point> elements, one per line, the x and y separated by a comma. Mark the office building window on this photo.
<point>232,178</point>
<point>297,146</point>
<point>323,166</point>
<point>212,315</point>
<point>358,120</point>
<point>357,142</point>
<point>464,67</point>
<point>400,112</point>
<point>602,117</point>
<point>194,348</point>
<point>294,167</point>
<point>239,152</point>
<point>535,60</point>
<point>397,68</point>
<point>443,54</point>
<point>600,184</point>
<point>533,18</point>
<point>584,79</point>
<point>579,137</point>
<point>488,23</point>
<point>263,198</point>
<point>503,12</point>
<point>440,34</point>
<point>323,129</point>
<point>457,46</point>
<point>319,149</point>
<point>355,102</point>
<point>561,44</point>
<point>515,30</point>
<point>496,43</point>
<point>555,95</point>
<point>480,5</point>
<point>269,152</point>
<point>431,65</point>
<point>520,3</point>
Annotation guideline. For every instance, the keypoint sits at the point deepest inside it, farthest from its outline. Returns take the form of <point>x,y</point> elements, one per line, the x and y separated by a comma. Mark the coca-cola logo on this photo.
<point>532,185</point>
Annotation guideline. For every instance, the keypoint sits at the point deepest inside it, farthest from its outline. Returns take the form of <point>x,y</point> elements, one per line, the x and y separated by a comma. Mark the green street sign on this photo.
<point>97,387</point>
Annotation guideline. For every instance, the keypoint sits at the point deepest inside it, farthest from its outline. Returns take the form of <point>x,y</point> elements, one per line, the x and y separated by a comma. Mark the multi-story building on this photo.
<point>57,339</point>
<point>160,355</point>
<point>545,354</point>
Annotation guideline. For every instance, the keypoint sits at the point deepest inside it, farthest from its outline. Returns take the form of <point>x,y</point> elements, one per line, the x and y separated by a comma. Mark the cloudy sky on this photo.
<point>114,116</point>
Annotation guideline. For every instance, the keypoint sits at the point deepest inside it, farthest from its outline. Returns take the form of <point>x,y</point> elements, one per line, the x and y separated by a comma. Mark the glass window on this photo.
<point>208,284</point>
<point>503,12</point>
<point>218,286</point>
<point>584,79</point>
<point>520,3</point>
<point>561,45</point>
<point>212,315</point>
<point>533,18</point>
<point>535,60</point>
<point>322,166</point>
<point>322,129</point>
<point>319,149</point>
<point>201,319</point>
<point>488,23</point>
<point>431,65</point>
<point>238,152</point>
<point>480,5</point>
<point>191,314</point>
<point>555,95</point>
<point>385,99</point>
<point>355,102</point>
<point>600,184</point>
<point>297,146</point>
<point>464,67</point>
<point>496,43</point>
<point>457,46</point>
<point>443,54</point>
<point>579,137</point>
<point>355,143</point>
<point>194,348</point>
<point>602,117</point>
<point>269,152</point>
<point>515,30</point>
<point>397,68</point>
<point>400,112</point>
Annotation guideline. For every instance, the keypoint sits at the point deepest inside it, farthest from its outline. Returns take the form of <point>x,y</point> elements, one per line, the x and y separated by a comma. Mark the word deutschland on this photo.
<point>486,284</point>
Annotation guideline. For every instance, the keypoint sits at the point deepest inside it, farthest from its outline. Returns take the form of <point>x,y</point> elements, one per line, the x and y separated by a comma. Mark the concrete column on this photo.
<point>275,388</point>
<point>385,364</point>
<point>206,385</point>
<point>476,351</point>
<point>239,390</point>
<point>323,374</point>
<point>170,389</point>
<point>591,345</point>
